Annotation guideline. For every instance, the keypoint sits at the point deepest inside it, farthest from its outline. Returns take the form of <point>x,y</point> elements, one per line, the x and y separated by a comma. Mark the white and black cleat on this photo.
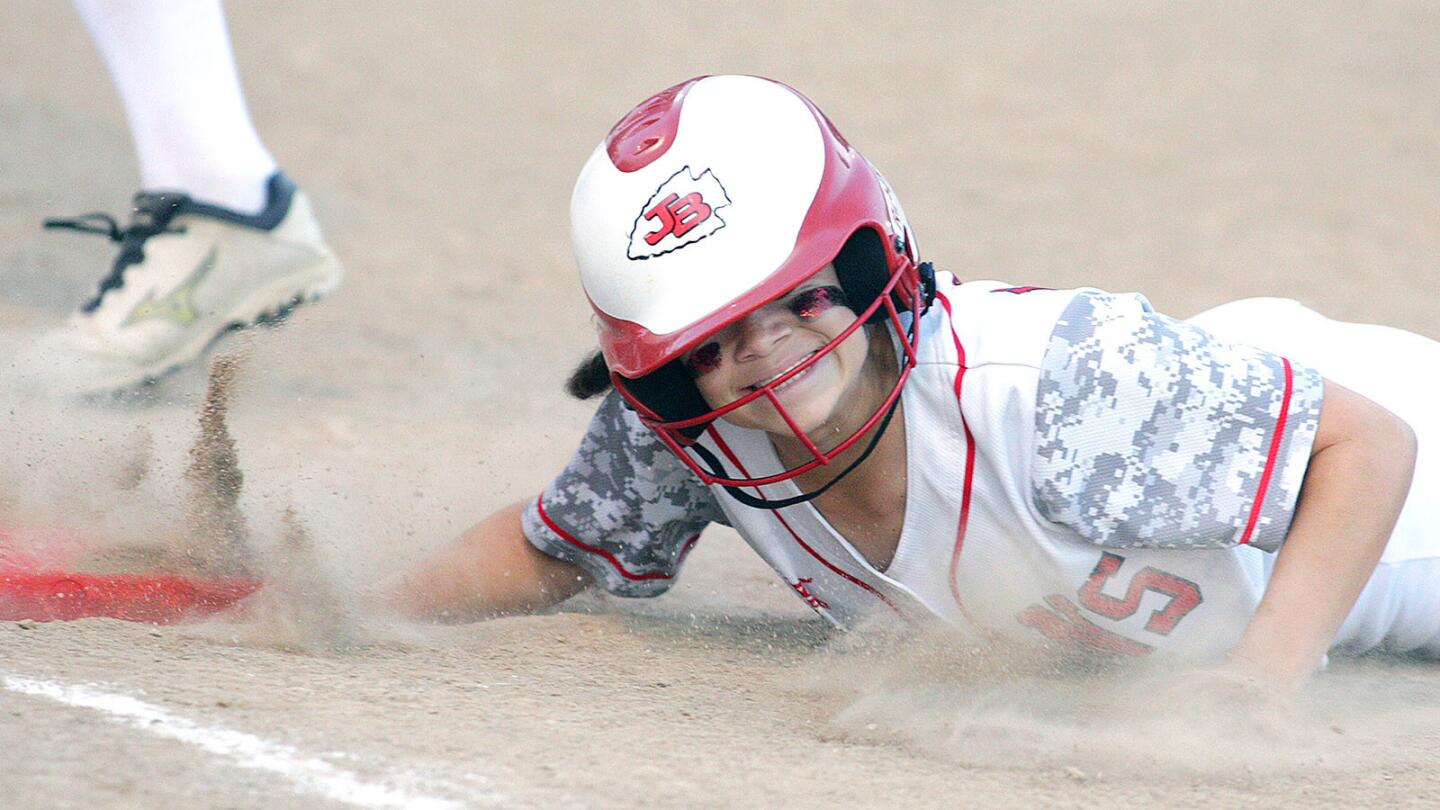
<point>188,273</point>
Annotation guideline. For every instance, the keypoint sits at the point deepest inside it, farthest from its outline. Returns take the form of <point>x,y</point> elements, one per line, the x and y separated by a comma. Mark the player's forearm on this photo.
<point>1354,490</point>
<point>492,570</point>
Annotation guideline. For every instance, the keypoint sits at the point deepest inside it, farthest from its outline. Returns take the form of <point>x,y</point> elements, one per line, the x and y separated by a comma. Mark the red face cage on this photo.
<point>704,464</point>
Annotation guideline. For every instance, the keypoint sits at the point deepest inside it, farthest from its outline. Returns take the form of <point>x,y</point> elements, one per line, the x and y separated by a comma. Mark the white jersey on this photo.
<point>1079,468</point>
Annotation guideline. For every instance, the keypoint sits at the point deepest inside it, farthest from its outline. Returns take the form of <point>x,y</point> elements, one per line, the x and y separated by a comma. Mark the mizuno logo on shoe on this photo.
<point>178,305</point>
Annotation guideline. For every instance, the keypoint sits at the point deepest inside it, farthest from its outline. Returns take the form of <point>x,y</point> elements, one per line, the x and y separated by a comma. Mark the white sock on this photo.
<point>172,63</point>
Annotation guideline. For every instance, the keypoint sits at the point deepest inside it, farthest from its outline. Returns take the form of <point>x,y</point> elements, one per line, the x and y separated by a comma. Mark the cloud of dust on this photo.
<point>134,486</point>
<point>76,479</point>
<point>1033,708</point>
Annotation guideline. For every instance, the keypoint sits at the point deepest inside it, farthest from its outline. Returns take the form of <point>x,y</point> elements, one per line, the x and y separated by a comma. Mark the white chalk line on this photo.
<point>307,772</point>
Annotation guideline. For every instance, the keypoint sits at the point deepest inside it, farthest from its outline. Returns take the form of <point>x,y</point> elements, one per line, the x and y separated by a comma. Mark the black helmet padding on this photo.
<point>670,392</point>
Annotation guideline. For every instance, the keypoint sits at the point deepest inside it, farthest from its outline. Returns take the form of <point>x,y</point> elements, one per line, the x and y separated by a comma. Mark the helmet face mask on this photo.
<point>680,434</point>
<point>709,201</point>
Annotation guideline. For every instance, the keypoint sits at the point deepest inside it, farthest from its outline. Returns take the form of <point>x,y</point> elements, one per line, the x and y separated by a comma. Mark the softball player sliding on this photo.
<point>1014,461</point>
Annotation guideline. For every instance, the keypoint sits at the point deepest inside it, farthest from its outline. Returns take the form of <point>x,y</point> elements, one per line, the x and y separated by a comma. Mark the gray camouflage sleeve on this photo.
<point>625,509</point>
<point>1153,433</point>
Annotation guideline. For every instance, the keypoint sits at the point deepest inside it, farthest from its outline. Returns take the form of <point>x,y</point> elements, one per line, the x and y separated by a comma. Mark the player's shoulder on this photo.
<point>616,437</point>
<point>998,322</point>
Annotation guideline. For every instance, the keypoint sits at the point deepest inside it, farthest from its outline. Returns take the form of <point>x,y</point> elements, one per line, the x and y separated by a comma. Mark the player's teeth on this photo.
<point>791,381</point>
<point>759,385</point>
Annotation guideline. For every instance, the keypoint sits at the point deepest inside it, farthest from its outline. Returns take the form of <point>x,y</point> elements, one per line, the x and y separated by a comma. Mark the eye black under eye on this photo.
<point>814,302</point>
<point>704,359</point>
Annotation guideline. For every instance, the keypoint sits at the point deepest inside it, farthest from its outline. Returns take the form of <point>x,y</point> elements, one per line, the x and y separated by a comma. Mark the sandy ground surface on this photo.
<point>1196,152</point>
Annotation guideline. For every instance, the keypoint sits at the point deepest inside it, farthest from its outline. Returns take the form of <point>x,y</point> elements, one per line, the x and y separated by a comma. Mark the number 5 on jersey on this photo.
<point>1060,620</point>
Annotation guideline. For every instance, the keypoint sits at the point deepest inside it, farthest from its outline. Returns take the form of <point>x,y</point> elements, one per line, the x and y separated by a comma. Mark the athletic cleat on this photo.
<point>188,272</point>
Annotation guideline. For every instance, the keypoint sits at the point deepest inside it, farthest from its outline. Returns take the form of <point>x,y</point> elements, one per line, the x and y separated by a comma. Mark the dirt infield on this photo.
<point>1196,152</point>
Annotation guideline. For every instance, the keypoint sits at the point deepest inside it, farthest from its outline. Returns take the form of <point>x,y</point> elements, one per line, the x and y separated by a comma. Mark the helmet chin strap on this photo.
<point>753,501</point>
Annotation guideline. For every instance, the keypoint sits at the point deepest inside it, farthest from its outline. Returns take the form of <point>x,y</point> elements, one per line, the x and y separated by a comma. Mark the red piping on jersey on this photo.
<point>725,448</point>
<point>685,549</point>
<point>1273,455</point>
<point>540,506</point>
<point>969,463</point>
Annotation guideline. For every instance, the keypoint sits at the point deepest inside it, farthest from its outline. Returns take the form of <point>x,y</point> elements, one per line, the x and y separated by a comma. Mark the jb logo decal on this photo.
<point>684,210</point>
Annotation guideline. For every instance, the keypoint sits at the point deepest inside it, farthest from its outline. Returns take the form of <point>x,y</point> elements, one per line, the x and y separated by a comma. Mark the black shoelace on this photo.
<point>151,215</point>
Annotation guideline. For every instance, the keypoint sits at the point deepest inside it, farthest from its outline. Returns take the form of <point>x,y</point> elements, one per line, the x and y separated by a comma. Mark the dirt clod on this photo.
<point>217,537</point>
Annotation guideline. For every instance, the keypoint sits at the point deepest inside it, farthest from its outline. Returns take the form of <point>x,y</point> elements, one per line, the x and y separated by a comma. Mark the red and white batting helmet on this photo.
<point>709,200</point>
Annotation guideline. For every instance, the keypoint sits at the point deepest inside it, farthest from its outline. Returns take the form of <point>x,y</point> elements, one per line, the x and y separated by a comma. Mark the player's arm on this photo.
<point>622,514</point>
<point>492,570</point>
<point>1355,485</point>
<point>1152,433</point>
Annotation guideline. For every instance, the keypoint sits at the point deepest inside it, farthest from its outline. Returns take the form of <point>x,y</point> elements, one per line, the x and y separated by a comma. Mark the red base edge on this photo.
<point>151,598</point>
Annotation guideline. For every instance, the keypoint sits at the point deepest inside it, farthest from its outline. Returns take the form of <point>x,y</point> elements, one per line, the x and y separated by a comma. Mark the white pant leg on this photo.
<point>1399,610</point>
<point>172,64</point>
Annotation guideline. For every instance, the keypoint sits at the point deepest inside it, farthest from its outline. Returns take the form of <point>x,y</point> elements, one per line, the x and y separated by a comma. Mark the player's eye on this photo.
<point>704,359</point>
<point>816,301</point>
<point>807,306</point>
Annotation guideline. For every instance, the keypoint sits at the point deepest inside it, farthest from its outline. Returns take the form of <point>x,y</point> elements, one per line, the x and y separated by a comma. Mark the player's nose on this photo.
<point>758,333</point>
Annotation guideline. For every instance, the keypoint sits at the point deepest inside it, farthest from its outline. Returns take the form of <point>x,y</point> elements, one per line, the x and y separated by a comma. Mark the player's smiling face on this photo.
<point>773,340</point>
